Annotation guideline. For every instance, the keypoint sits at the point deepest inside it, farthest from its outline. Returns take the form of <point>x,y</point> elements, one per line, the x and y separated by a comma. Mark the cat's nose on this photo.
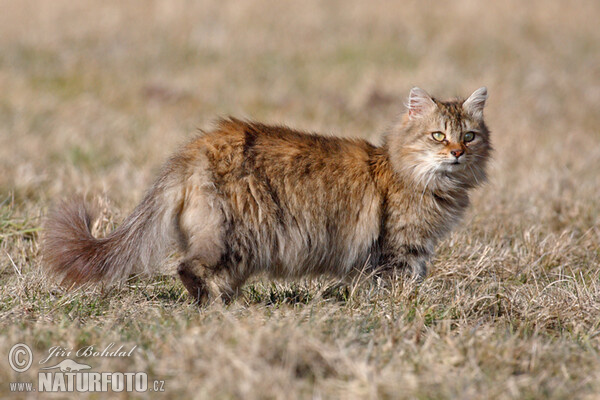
<point>457,153</point>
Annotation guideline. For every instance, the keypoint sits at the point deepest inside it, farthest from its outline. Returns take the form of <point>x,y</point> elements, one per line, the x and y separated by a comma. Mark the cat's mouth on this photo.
<point>453,166</point>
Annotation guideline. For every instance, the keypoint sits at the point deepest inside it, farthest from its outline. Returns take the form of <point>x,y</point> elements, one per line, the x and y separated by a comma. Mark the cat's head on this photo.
<point>442,143</point>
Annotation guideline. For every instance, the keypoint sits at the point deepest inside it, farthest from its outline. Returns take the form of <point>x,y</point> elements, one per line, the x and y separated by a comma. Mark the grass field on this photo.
<point>95,95</point>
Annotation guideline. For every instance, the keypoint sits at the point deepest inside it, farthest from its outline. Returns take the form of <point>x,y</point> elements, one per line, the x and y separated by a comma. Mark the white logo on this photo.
<point>20,357</point>
<point>72,376</point>
<point>68,365</point>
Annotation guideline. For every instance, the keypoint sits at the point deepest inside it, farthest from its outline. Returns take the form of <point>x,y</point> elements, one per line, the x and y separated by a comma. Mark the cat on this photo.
<point>247,198</point>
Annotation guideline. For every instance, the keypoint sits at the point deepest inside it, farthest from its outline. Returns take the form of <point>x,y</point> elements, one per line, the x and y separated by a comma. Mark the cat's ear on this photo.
<point>475,103</point>
<point>419,103</point>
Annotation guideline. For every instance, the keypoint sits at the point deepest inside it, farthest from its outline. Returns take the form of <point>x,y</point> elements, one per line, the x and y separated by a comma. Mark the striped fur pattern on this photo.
<point>246,199</point>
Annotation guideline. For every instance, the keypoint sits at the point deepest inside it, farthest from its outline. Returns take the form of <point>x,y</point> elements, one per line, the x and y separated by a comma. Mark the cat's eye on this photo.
<point>439,136</point>
<point>468,136</point>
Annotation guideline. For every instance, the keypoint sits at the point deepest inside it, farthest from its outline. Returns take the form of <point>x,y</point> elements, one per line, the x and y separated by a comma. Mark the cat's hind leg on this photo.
<point>201,234</point>
<point>193,281</point>
<point>207,284</point>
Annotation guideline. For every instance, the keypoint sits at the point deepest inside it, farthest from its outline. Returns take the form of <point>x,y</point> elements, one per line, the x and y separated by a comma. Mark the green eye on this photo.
<point>468,136</point>
<point>439,136</point>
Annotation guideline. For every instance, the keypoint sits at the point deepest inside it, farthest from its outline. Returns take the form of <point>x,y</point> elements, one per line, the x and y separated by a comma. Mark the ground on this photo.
<point>95,95</point>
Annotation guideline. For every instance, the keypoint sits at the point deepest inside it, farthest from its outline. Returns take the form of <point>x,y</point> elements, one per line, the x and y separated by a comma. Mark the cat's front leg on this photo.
<point>409,259</point>
<point>418,268</point>
<point>416,257</point>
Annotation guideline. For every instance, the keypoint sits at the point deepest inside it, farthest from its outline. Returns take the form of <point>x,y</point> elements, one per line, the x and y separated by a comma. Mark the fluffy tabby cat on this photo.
<point>248,198</point>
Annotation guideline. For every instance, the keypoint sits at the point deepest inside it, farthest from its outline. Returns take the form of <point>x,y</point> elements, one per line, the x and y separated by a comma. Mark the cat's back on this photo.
<point>240,148</point>
<point>300,198</point>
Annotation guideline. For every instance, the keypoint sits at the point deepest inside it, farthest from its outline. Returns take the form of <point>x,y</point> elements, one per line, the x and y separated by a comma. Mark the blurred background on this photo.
<point>95,95</point>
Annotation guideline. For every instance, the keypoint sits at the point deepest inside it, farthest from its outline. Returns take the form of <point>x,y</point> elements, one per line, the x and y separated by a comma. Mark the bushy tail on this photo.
<point>71,252</point>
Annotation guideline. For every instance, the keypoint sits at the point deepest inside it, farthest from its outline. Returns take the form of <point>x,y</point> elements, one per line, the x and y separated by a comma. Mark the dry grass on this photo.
<point>95,95</point>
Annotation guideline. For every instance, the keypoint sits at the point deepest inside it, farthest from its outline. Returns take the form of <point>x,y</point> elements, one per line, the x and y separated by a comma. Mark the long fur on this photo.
<point>76,257</point>
<point>248,198</point>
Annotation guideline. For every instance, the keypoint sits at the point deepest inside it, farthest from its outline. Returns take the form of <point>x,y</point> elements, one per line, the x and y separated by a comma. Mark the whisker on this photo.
<point>431,175</point>
<point>474,174</point>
